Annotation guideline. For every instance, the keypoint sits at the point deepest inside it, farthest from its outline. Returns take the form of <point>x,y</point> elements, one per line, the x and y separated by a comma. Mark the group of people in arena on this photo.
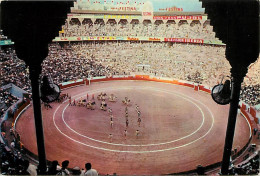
<point>102,98</point>
<point>134,28</point>
<point>126,101</point>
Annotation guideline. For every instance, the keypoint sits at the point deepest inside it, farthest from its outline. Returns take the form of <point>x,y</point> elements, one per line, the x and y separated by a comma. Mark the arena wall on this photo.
<point>244,108</point>
<point>250,111</point>
<point>15,111</point>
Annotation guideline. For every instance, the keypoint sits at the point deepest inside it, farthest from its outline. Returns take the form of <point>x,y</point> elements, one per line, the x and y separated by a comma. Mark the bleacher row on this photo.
<point>200,64</point>
<point>134,28</point>
<point>6,99</point>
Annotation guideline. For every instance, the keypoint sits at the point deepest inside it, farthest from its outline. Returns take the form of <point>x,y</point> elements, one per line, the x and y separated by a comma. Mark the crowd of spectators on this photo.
<point>13,69</point>
<point>12,163</point>
<point>197,63</point>
<point>170,29</point>
<point>6,100</point>
<point>249,168</point>
<point>66,63</point>
<point>251,94</point>
<point>203,64</point>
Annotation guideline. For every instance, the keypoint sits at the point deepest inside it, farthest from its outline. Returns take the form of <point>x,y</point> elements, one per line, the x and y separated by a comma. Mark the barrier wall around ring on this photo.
<point>250,111</point>
<point>194,86</point>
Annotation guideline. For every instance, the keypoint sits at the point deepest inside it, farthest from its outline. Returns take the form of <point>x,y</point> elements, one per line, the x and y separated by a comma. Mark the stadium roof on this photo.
<point>166,7</point>
<point>134,12</point>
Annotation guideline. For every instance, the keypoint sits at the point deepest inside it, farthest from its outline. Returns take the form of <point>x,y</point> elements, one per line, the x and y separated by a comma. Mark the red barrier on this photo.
<point>196,88</point>
<point>17,112</point>
<point>253,114</point>
<point>243,106</point>
<point>147,78</point>
<point>103,79</point>
<point>165,81</point>
<point>175,82</point>
<point>124,78</point>
<point>256,120</point>
<point>71,85</point>
<point>202,88</point>
<point>186,84</point>
<point>248,118</point>
<point>160,80</point>
<point>142,76</point>
<point>114,79</point>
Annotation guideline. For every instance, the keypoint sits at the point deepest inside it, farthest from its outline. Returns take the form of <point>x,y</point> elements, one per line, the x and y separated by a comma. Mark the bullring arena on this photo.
<point>181,127</point>
<point>135,79</point>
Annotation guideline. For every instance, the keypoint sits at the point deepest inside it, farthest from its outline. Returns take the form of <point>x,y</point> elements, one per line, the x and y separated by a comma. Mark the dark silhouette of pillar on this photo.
<point>236,23</point>
<point>32,25</point>
<point>35,82</point>
<point>237,77</point>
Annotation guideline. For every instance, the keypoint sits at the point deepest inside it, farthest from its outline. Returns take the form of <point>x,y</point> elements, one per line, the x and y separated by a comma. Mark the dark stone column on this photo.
<point>237,76</point>
<point>35,82</point>
<point>39,23</point>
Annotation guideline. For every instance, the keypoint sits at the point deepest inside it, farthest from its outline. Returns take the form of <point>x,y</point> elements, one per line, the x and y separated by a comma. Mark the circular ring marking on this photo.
<point>105,149</point>
<point>141,145</point>
<point>139,152</point>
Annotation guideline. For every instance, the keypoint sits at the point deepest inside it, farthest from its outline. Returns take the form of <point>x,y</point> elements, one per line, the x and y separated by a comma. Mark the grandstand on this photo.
<point>108,41</point>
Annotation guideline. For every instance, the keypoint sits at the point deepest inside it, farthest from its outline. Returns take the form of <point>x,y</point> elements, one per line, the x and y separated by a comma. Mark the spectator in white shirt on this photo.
<point>89,171</point>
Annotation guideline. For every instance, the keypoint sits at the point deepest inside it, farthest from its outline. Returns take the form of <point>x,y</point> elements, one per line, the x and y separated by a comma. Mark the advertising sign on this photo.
<point>184,40</point>
<point>139,5</point>
<point>177,17</point>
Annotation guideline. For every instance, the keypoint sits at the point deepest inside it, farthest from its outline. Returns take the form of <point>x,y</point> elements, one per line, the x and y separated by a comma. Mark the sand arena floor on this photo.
<point>180,129</point>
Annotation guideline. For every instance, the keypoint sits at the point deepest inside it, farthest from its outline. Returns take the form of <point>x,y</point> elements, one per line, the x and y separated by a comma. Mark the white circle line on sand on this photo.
<point>151,151</point>
<point>142,145</point>
<point>139,152</point>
